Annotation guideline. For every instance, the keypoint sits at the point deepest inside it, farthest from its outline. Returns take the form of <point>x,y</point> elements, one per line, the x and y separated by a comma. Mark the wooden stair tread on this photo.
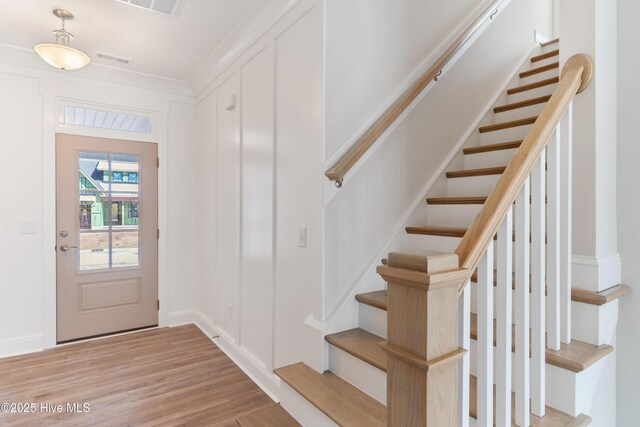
<point>534,85</point>
<point>492,147</point>
<point>377,299</point>
<point>534,71</point>
<point>599,298</point>
<point>553,417</point>
<point>574,357</point>
<point>508,125</point>
<point>272,415</point>
<point>361,344</point>
<point>437,231</point>
<point>345,404</point>
<point>550,42</point>
<point>544,56</point>
<point>456,200</point>
<point>476,172</point>
<point>522,104</point>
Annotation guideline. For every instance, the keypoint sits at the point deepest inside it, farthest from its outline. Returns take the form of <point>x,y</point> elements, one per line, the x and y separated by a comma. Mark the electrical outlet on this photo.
<point>302,237</point>
<point>230,311</point>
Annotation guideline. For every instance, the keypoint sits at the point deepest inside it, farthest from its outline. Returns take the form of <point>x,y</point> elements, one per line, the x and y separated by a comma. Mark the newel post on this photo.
<point>422,339</point>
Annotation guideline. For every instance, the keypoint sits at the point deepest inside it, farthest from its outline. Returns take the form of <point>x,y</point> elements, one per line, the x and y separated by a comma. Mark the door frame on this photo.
<point>135,103</point>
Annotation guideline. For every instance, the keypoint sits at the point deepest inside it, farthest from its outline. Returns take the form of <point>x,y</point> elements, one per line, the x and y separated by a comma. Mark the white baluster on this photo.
<point>464,322</point>
<point>553,242</point>
<point>504,302</point>
<point>485,339</point>
<point>522,305</point>
<point>538,287</point>
<point>566,171</point>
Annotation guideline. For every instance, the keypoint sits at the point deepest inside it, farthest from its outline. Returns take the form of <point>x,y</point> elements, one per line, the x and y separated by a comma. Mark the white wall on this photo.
<point>181,233</point>
<point>206,218</point>
<point>259,181</point>
<point>628,345</point>
<point>590,27</point>
<point>368,210</point>
<point>21,266</point>
<point>32,93</point>
<point>372,46</point>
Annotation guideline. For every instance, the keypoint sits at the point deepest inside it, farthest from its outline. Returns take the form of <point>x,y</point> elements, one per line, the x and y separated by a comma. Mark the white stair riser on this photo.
<point>422,243</point>
<point>556,379</point>
<point>532,93</point>
<point>373,381</point>
<point>539,76</point>
<point>504,135</point>
<point>301,409</point>
<point>548,48</point>
<point>452,215</point>
<point>594,324</point>
<point>372,320</point>
<point>471,185</point>
<point>489,159</point>
<point>362,375</point>
<point>544,61</point>
<point>520,113</point>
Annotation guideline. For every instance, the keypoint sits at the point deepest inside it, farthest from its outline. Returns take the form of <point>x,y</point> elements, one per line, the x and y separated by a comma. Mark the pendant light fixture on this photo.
<point>60,54</point>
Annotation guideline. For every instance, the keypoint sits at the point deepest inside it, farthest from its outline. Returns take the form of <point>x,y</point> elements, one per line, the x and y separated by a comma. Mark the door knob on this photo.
<point>65,248</point>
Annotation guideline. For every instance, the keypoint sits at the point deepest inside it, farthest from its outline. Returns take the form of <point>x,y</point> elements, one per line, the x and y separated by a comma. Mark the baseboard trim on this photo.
<point>596,273</point>
<point>178,318</point>
<point>206,325</point>
<point>267,381</point>
<point>20,346</point>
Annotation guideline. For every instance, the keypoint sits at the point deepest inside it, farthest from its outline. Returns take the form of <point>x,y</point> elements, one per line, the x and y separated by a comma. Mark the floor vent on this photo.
<point>113,58</point>
<point>165,7</point>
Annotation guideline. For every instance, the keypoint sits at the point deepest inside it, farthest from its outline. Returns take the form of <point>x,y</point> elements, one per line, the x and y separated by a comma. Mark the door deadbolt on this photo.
<point>64,233</point>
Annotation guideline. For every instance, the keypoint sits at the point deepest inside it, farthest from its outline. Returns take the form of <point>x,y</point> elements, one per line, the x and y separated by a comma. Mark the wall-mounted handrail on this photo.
<point>575,77</point>
<point>350,158</point>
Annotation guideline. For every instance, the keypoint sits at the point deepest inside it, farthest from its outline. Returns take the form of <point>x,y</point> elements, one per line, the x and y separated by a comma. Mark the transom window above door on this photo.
<point>102,119</point>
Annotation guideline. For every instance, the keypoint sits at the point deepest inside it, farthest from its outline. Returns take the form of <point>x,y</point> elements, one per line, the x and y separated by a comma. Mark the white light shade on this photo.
<point>63,57</point>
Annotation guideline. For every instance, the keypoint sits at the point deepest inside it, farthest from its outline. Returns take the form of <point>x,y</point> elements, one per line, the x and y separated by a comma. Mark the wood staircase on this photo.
<point>449,215</point>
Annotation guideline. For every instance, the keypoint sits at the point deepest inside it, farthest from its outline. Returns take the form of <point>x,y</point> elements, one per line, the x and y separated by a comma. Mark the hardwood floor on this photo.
<point>165,377</point>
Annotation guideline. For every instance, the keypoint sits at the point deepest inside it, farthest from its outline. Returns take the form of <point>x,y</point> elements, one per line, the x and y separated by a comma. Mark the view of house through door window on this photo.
<point>109,202</point>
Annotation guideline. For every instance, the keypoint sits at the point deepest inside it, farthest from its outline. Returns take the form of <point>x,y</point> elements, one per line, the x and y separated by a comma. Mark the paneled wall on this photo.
<point>259,174</point>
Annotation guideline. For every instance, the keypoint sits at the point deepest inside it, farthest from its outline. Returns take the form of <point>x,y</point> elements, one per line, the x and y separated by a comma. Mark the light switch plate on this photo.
<point>29,227</point>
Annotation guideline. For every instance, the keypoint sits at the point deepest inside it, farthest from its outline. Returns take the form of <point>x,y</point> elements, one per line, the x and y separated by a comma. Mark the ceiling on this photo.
<point>171,47</point>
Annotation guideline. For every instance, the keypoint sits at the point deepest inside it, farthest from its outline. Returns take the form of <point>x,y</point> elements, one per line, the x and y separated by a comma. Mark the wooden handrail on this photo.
<point>576,76</point>
<point>350,158</point>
